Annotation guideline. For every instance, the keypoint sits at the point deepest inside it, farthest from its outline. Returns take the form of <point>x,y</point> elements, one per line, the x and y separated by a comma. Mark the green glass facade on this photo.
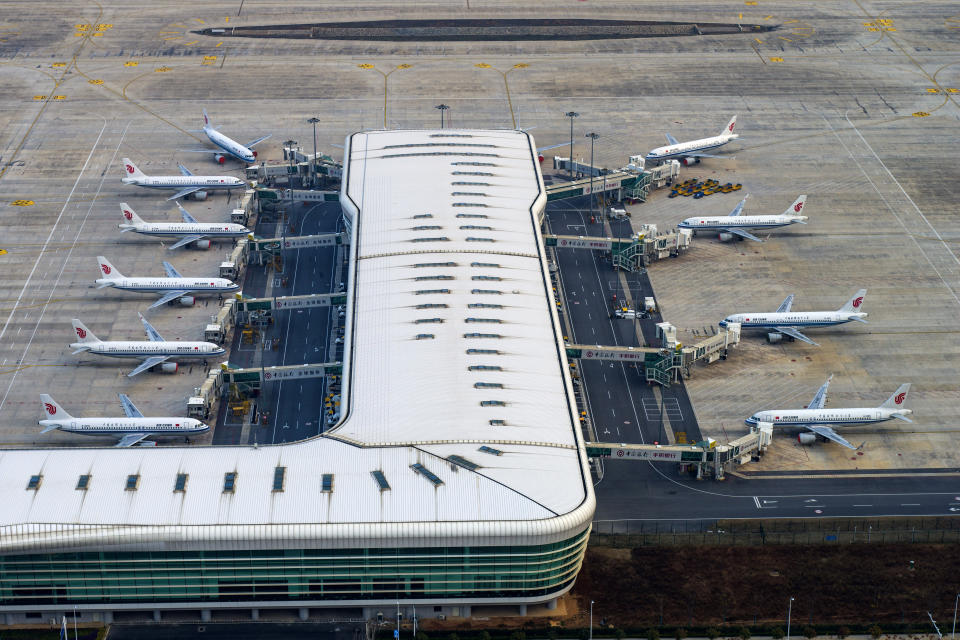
<point>289,574</point>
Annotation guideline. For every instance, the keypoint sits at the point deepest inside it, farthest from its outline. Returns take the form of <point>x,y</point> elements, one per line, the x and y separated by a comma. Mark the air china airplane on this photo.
<point>172,287</point>
<point>227,146</point>
<point>152,352</point>
<point>735,224</point>
<point>788,322</point>
<point>690,152</point>
<point>186,183</point>
<point>815,418</point>
<point>131,429</point>
<point>188,231</point>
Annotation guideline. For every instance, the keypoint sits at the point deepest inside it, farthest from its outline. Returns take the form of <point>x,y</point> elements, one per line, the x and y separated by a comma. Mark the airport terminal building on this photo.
<point>456,477</point>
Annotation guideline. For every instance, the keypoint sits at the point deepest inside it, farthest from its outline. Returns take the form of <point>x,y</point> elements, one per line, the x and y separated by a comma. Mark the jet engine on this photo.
<point>806,438</point>
<point>199,195</point>
<point>202,244</point>
<point>167,367</point>
<point>726,237</point>
<point>220,158</point>
<point>187,301</point>
<point>689,161</point>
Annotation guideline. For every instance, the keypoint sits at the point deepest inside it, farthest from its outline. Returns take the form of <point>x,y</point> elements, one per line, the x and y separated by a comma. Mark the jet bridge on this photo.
<point>630,254</point>
<point>710,458</point>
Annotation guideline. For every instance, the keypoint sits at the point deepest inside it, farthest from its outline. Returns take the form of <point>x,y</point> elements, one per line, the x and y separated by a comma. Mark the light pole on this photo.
<point>789,611</point>
<point>442,108</point>
<point>571,115</point>
<point>953,634</point>
<point>313,165</point>
<point>593,137</point>
<point>591,620</point>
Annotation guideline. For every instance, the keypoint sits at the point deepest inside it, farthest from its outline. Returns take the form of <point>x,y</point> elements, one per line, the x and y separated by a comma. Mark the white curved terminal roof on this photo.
<point>453,345</point>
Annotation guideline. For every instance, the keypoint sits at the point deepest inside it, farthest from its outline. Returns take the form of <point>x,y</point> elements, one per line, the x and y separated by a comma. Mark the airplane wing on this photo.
<point>185,241</point>
<point>171,271</point>
<point>743,234</point>
<point>152,333</point>
<point>796,335</point>
<point>128,407</point>
<point>700,154</point>
<point>168,297</point>
<point>131,439</point>
<point>189,219</point>
<point>739,208</point>
<point>146,364</point>
<point>184,170</point>
<point>670,139</point>
<point>257,141</point>
<point>183,192</point>
<point>553,146</point>
<point>821,397</point>
<point>785,305</point>
<point>830,434</point>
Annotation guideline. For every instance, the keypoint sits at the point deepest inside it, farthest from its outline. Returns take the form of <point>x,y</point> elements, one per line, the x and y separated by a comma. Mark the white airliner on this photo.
<point>690,152</point>
<point>226,145</point>
<point>737,225</point>
<point>172,287</point>
<point>154,351</point>
<point>788,322</point>
<point>186,183</point>
<point>816,418</point>
<point>131,429</point>
<point>188,231</point>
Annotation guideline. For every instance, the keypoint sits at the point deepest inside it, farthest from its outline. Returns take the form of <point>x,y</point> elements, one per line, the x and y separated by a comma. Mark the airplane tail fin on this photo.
<point>107,270</point>
<point>796,208</point>
<point>206,119</point>
<point>728,130</point>
<point>899,397</point>
<point>129,215</point>
<point>854,303</point>
<point>86,336</point>
<point>130,170</point>
<point>52,410</point>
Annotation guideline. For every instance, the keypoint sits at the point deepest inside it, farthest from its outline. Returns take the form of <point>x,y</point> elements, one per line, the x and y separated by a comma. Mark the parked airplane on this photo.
<point>188,231</point>
<point>690,152</point>
<point>815,418</point>
<point>788,322</point>
<point>227,145</point>
<point>186,183</point>
<point>154,351</point>
<point>131,429</point>
<point>735,224</point>
<point>172,287</point>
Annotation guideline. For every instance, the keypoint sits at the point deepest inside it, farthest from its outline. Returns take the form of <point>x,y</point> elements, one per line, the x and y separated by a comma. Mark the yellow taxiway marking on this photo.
<point>131,63</point>
<point>39,97</point>
<point>768,17</point>
<point>3,252</point>
<point>199,20</point>
<point>776,59</point>
<point>218,44</point>
<point>759,41</point>
<point>95,81</point>
<point>179,25</point>
<point>172,38</point>
<point>920,114</point>
<point>22,203</point>
<point>951,90</point>
<point>739,16</point>
<point>59,97</point>
<point>193,42</point>
<point>226,19</point>
<point>933,90</point>
<point>787,39</point>
<point>57,65</point>
<point>163,69</point>
<point>790,21</point>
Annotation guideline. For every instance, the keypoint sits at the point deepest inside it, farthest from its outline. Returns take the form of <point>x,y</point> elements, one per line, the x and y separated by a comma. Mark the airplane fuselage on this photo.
<point>683,149</point>
<point>229,146</point>
<point>175,229</point>
<point>186,182</point>
<point>145,349</point>
<point>804,417</point>
<point>197,285</point>
<point>791,319</point>
<point>124,426</point>
<point>743,222</point>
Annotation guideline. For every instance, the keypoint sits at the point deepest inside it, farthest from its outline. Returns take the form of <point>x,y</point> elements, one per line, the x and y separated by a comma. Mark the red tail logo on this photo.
<point>797,207</point>
<point>129,168</point>
<point>899,398</point>
<point>127,214</point>
<point>730,128</point>
<point>51,410</point>
<point>857,302</point>
<point>81,333</point>
<point>106,269</point>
